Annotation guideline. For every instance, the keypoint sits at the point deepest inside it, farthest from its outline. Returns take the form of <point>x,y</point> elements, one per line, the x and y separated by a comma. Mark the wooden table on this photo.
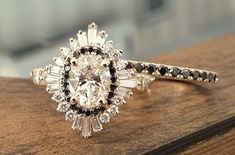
<point>170,117</point>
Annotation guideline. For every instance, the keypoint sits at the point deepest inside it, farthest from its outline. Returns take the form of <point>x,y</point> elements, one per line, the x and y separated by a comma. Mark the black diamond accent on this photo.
<point>110,95</point>
<point>65,84</point>
<point>163,70</point>
<point>203,75</point>
<point>96,111</point>
<point>76,54</point>
<point>113,87</point>
<point>129,66</point>
<point>113,79</point>
<point>98,51</point>
<point>151,68</point>
<point>139,67</point>
<point>68,99</point>
<point>83,50</point>
<point>66,76</point>
<point>66,91</point>
<point>102,108</point>
<point>210,76</point>
<point>112,70</point>
<point>185,73</point>
<point>111,64</point>
<point>88,113</point>
<point>90,49</point>
<point>109,101</point>
<point>175,71</point>
<point>195,75</point>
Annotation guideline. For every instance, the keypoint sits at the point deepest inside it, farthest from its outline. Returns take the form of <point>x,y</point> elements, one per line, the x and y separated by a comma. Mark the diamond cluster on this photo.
<point>89,80</point>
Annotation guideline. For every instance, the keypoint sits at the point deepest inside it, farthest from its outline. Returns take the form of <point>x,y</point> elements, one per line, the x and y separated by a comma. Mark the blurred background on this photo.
<point>31,31</point>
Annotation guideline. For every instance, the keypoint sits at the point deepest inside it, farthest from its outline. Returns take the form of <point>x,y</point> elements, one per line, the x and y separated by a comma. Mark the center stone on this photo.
<point>89,81</point>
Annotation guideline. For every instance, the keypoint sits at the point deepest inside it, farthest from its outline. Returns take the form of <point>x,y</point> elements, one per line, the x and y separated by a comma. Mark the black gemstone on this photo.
<point>76,54</point>
<point>87,113</point>
<point>68,99</point>
<point>111,64</point>
<point>195,74</point>
<point>175,71</point>
<point>109,101</point>
<point>83,50</point>
<point>113,79</point>
<point>112,70</point>
<point>90,49</point>
<point>185,73</point>
<point>203,75</point>
<point>65,84</point>
<point>129,65</point>
<point>66,76</point>
<point>96,111</point>
<point>139,67</point>
<point>102,108</point>
<point>98,51</point>
<point>66,91</point>
<point>151,68</point>
<point>110,95</point>
<point>113,87</point>
<point>73,107</point>
<point>210,76</point>
<point>163,70</point>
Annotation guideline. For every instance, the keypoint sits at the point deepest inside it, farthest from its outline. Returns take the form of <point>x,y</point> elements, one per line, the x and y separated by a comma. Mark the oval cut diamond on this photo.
<point>89,80</point>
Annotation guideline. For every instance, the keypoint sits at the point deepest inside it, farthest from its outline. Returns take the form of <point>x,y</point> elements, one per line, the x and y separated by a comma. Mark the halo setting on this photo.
<point>89,81</point>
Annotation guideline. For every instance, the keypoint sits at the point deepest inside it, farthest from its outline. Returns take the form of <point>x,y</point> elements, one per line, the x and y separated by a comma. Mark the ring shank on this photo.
<point>173,72</point>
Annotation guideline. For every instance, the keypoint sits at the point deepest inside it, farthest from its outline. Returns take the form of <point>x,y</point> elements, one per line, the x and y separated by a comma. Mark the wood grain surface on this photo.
<point>170,110</point>
<point>223,144</point>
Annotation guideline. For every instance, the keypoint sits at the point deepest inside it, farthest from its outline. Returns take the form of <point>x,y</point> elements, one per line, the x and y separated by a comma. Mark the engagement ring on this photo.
<point>89,80</point>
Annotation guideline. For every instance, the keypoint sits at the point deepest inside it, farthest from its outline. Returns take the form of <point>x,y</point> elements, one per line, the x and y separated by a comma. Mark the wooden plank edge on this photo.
<point>183,143</point>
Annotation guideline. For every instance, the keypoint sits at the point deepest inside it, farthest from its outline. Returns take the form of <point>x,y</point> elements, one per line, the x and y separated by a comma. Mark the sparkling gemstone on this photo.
<point>52,88</point>
<point>58,97</point>
<point>70,115</point>
<point>77,123</point>
<point>185,73</point>
<point>50,79</point>
<point>89,81</point>
<point>203,75</point>
<point>96,124</point>
<point>63,107</point>
<point>125,92</point>
<point>67,68</point>
<point>113,109</point>
<point>139,67</point>
<point>92,33</point>
<point>123,74</point>
<point>118,100</point>
<point>38,76</point>
<point>163,70</point>
<point>175,71</point>
<point>210,76</point>
<point>86,127</point>
<point>151,68</point>
<point>195,74</point>
<point>104,118</point>
<point>130,83</point>
<point>129,65</point>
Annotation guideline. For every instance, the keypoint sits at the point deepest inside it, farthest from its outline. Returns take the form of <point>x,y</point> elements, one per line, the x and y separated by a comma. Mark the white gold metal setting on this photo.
<point>89,80</point>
